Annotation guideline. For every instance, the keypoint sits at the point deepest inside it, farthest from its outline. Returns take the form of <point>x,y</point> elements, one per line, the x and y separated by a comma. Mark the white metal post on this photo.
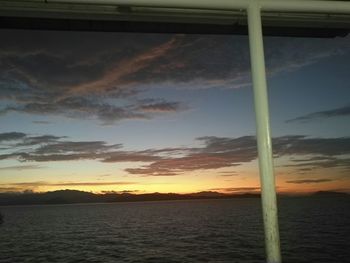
<point>267,179</point>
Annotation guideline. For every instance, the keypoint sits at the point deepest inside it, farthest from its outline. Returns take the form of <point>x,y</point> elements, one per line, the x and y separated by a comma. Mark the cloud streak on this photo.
<point>317,162</point>
<point>20,167</point>
<point>229,152</point>
<point>162,106</point>
<point>50,73</point>
<point>30,186</point>
<point>236,189</point>
<point>310,181</point>
<point>214,153</point>
<point>124,68</point>
<point>11,136</point>
<point>87,108</point>
<point>75,82</point>
<point>339,112</point>
<point>41,122</point>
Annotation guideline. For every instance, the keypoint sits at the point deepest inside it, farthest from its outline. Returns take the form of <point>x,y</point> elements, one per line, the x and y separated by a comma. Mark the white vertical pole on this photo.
<point>267,179</point>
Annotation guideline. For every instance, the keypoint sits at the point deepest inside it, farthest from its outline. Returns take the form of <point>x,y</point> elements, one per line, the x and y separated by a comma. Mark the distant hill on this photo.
<point>208,194</point>
<point>56,197</point>
<point>74,196</point>
<point>330,194</point>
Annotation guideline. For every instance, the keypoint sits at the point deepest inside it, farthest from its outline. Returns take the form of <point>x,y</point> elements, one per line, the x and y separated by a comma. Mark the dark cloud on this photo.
<point>323,162</point>
<point>152,170</point>
<point>227,152</point>
<point>167,151</point>
<point>224,60</point>
<point>76,147</point>
<point>22,139</point>
<point>41,122</point>
<point>58,60</point>
<point>56,157</point>
<point>189,163</point>
<point>54,148</point>
<point>305,153</point>
<point>92,154</point>
<point>309,181</point>
<point>236,189</point>
<point>11,136</point>
<point>38,140</point>
<point>306,169</point>
<point>221,144</point>
<point>231,173</point>
<point>115,157</point>
<point>121,192</point>
<point>41,76</point>
<point>161,107</point>
<point>14,155</point>
<point>216,153</point>
<point>81,108</point>
<point>52,73</point>
<point>302,145</point>
<point>339,112</point>
<point>88,108</point>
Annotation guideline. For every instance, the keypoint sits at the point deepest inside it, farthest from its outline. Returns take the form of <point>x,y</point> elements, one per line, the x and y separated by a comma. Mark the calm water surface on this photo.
<point>312,230</point>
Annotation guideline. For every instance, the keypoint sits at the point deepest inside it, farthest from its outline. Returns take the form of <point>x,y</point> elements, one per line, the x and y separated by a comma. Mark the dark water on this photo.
<point>312,230</point>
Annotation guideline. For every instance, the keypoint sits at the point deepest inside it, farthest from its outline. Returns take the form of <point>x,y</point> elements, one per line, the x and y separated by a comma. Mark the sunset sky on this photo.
<point>165,113</point>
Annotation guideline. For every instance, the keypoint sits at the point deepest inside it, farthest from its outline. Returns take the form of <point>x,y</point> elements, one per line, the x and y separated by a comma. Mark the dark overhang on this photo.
<point>40,15</point>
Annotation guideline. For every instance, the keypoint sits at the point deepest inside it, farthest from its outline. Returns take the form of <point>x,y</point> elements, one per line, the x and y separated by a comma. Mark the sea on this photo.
<point>312,229</point>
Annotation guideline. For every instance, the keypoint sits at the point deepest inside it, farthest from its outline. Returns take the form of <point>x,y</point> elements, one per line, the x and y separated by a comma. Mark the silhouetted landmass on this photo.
<point>74,196</point>
<point>208,194</point>
<point>330,194</point>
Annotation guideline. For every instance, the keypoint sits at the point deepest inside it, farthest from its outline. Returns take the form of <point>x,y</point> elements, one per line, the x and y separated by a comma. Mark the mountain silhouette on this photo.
<point>75,196</point>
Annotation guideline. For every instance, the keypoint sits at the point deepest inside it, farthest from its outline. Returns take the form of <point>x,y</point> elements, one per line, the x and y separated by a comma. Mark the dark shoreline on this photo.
<point>64,197</point>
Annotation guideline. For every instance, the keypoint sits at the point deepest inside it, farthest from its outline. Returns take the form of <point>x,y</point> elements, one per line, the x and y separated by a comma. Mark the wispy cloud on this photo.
<point>309,181</point>
<point>90,183</point>
<point>338,112</point>
<point>228,152</point>
<point>76,147</point>
<point>9,189</point>
<point>35,185</point>
<point>215,153</point>
<point>41,122</point>
<point>119,72</point>
<point>11,136</point>
<point>57,148</point>
<point>38,140</point>
<point>79,107</point>
<point>50,73</point>
<point>161,107</point>
<point>231,173</point>
<point>21,167</point>
<point>318,162</point>
<point>121,192</point>
<point>78,82</point>
<point>125,156</point>
<point>236,189</point>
